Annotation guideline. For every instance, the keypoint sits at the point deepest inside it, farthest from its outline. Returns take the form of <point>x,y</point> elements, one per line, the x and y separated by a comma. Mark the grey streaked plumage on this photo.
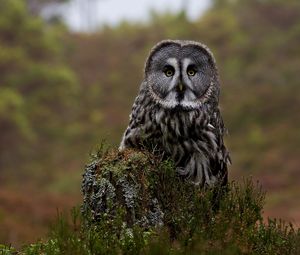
<point>176,111</point>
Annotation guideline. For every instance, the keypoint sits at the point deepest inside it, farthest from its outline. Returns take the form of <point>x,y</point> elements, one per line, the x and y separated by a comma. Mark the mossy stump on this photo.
<point>123,181</point>
<point>141,188</point>
<point>132,198</point>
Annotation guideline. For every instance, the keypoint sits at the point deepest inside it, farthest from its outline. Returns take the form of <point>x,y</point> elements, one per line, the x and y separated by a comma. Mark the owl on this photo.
<point>176,112</point>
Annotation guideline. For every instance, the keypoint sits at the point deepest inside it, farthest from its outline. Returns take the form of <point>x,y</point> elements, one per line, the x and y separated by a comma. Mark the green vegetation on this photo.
<point>37,91</point>
<point>60,93</point>
<point>195,221</point>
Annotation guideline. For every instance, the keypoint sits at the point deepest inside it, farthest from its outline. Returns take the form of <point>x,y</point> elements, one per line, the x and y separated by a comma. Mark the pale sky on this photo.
<point>82,15</point>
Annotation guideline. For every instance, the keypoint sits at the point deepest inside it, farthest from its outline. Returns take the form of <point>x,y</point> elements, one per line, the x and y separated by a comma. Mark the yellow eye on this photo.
<point>169,72</point>
<point>191,72</point>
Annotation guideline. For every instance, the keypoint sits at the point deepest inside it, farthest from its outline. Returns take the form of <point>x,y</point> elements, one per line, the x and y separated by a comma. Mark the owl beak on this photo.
<point>180,87</point>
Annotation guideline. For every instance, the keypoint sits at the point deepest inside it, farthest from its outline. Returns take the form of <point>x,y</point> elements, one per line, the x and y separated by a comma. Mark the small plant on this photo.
<point>7,250</point>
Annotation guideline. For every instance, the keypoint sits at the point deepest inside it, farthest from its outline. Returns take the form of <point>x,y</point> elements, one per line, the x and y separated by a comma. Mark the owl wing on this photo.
<point>219,164</point>
<point>133,132</point>
<point>207,162</point>
<point>142,126</point>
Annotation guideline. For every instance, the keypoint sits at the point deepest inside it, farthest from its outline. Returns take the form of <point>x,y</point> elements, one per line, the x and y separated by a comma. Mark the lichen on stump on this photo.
<point>133,198</point>
<point>144,187</point>
<point>115,180</point>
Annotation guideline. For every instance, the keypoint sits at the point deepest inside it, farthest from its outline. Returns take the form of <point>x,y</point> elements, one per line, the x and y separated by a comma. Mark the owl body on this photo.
<point>176,112</point>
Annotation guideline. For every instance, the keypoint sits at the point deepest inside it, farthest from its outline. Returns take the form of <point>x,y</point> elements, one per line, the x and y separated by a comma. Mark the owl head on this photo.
<point>182,74</point>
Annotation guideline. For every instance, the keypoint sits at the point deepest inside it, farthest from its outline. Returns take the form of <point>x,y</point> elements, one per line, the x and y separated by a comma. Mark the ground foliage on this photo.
<point>61,92</point>
<point>192,220</point>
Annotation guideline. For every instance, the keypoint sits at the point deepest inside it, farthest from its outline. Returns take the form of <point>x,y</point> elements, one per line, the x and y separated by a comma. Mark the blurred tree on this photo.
<point>35,6</point>
<point>36,88</point>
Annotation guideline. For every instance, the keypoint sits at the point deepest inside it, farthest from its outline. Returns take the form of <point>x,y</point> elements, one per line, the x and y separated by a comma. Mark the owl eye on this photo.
<point>169,71</point>
<point>191,71</point>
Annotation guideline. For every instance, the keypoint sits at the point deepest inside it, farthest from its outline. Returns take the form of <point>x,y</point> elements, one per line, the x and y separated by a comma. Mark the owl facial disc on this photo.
<point>181,75</point>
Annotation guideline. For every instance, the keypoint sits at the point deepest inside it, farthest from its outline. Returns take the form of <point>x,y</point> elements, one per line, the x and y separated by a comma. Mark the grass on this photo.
<point>191,220</point>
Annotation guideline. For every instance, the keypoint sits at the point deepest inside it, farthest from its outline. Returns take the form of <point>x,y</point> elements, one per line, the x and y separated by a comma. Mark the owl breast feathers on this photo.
<point>176,112</point>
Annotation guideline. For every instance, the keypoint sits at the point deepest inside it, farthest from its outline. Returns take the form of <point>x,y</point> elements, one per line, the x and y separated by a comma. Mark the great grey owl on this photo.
<point>176,111</point>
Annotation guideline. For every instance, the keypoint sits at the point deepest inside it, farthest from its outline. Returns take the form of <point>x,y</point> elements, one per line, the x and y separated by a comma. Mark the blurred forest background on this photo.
<point>63,92</point>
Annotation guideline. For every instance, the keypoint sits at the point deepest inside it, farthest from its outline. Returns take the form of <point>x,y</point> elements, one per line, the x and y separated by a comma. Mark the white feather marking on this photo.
<point>211,126</point>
